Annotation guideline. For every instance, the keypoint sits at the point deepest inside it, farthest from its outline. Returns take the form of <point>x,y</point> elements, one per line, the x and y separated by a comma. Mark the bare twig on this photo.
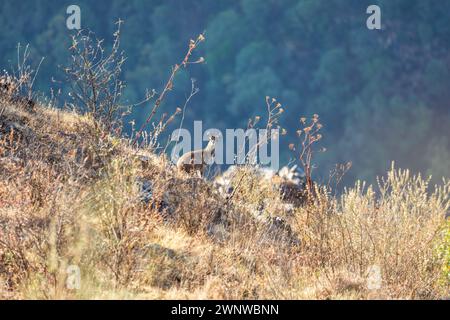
<point>169,84</point>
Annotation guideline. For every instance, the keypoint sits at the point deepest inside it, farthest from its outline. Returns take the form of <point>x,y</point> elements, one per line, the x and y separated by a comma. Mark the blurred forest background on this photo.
<point>382,95</point>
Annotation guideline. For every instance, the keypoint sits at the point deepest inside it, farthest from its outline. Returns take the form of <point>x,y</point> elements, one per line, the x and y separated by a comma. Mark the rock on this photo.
<point>218,232</point>
<point>293,193</point>
<point>293,174</point>
<point>223,182</point>
<point>280,230</point>
<point>292,185</point>
<point>290,182</point>
<point>146,196</point>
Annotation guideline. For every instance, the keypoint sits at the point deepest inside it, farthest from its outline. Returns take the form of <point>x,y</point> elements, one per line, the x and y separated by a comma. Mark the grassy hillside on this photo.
<point>73,194</point>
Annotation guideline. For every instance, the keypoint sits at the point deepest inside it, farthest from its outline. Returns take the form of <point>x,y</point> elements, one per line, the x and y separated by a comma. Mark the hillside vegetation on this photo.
<point>73,194</point>
<point>383,94</point>
<point>87,212</point>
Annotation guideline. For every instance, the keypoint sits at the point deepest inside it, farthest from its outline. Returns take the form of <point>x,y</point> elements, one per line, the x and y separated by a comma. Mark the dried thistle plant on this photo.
<point>274,111</point>
<point>308,136</point>
<point>193,44</point>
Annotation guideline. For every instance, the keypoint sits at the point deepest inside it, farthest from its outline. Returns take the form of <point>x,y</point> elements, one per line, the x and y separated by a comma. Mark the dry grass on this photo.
<point>71,195</point>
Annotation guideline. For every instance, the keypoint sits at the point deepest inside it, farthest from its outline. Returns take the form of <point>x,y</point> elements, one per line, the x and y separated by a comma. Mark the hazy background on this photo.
<point>382,95</point>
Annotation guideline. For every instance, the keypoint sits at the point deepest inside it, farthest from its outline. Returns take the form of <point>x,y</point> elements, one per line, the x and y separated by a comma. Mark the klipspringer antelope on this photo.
<point>198,160</point>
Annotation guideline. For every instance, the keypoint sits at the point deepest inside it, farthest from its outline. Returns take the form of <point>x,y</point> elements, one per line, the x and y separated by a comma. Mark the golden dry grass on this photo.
<point>70,196</point>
